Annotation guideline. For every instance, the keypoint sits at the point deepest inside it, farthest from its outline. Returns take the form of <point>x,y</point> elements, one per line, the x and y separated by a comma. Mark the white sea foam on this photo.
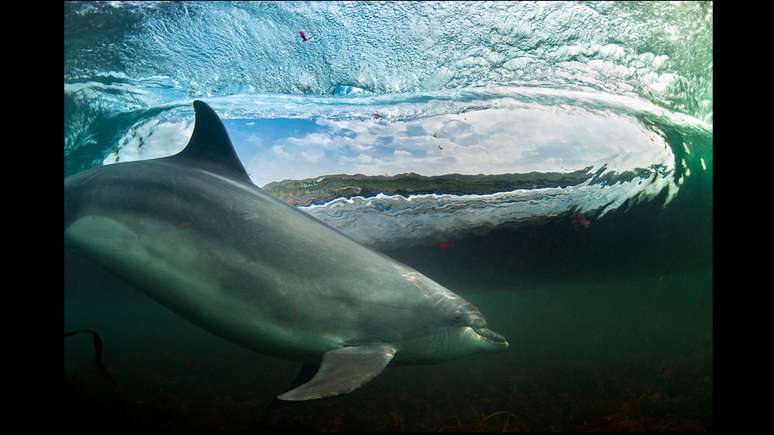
<point>394,220</point>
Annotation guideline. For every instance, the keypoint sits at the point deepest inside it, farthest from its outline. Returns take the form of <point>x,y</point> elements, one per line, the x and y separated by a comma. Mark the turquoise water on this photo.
<point>610,324</point>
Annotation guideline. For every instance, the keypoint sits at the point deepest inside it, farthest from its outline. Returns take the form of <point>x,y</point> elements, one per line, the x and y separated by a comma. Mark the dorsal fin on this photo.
<point>210,147</point>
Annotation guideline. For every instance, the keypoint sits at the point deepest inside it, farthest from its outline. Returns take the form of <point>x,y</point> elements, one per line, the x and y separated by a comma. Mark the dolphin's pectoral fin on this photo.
<point>304,375</point>
<point>344,370</point>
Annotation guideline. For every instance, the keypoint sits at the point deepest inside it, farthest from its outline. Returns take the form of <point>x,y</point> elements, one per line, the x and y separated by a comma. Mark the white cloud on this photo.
<point>279,150</point>
<point>315,140</point>
<point>313,155</point>
<point>255,140</point>
<point>492,141</point>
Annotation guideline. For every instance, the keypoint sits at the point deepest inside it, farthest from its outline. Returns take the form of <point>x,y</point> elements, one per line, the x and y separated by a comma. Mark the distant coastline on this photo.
<point>326,188</point>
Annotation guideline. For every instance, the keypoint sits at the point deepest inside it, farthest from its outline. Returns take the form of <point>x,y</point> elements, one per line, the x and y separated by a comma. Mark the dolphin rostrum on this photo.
<point>194,233</point>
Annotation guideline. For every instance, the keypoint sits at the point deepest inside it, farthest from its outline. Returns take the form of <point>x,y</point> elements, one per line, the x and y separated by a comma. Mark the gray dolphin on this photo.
<point>194,233</point>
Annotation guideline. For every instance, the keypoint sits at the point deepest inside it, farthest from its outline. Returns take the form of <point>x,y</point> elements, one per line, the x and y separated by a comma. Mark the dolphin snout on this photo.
<point>493,337</point>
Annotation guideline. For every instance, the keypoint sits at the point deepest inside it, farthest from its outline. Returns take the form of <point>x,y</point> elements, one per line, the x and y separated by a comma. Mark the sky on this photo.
<point>492,141</point>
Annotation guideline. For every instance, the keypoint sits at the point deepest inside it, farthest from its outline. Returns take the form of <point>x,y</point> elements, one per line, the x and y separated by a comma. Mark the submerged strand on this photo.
<point>97,340</point>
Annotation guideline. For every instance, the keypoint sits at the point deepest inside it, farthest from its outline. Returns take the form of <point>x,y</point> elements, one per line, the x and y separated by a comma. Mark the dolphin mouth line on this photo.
<point>491,336</point>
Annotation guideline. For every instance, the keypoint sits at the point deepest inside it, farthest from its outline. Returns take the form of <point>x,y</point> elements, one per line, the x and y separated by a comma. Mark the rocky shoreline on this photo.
<point>329,187</point>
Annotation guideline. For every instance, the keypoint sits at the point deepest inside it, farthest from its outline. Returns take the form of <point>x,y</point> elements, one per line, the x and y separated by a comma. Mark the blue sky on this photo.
<point>489,141</point>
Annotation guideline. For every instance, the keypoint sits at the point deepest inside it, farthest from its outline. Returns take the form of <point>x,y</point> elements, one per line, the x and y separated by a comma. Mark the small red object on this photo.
<point>582,220</point>
<point>302,35</point>
<point>444,245</point>
<point>663,371</point>
<point>376,115</point>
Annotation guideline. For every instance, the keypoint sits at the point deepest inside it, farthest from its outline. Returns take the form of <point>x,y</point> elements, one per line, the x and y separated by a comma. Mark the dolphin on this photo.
<point>194,233</point>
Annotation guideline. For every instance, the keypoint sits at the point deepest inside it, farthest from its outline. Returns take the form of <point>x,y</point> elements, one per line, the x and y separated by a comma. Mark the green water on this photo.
<point>577,353</point>
<point>610,328</point>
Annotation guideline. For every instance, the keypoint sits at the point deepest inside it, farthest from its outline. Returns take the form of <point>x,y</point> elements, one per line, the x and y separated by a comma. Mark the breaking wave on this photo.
<point>435,73</point>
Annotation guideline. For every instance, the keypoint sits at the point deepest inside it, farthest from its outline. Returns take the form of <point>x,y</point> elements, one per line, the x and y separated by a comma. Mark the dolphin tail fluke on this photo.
<point>343,370</point>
